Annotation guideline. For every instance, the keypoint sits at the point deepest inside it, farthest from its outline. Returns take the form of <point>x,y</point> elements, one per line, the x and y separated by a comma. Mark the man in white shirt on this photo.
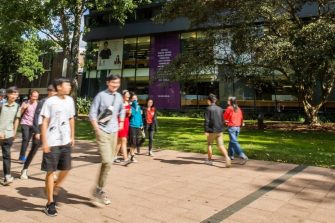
<point>57,133</point>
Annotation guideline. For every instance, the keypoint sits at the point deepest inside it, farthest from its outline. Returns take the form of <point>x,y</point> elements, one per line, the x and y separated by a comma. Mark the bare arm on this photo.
<point>44,129</point>
<point>95,126</point>
<point>72,130</point>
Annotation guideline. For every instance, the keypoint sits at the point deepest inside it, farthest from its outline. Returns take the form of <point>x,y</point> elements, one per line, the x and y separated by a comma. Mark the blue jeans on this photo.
<point>234,147</point>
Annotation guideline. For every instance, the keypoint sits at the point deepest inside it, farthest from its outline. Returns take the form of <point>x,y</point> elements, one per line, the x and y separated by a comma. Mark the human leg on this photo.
<point>6,145</point>
<point>219,141</point>
<point>26,136</point>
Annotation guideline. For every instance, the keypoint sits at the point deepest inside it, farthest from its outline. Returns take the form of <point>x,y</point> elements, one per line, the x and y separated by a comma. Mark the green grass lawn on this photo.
<point>187,134</point>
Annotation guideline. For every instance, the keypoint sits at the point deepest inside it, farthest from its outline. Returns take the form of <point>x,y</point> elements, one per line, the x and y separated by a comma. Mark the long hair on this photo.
<point>233,103</point>
<point>153,103</point>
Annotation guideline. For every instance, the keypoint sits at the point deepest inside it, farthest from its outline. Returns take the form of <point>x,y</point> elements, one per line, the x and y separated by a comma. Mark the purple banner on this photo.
<point>166,94</point>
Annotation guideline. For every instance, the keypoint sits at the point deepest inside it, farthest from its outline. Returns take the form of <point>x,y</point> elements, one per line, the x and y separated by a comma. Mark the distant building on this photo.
<point>140,48</point>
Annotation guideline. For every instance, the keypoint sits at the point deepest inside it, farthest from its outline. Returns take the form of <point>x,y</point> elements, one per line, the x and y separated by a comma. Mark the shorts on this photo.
<point>59,158</point>
<point>218,136</point>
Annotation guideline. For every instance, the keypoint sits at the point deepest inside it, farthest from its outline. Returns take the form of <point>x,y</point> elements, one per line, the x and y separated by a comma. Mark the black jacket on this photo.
<point>154,119</point>
<point>214,119</point>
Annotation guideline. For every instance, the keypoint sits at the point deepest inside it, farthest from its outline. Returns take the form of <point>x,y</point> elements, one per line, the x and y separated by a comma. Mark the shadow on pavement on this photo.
<point>62,197</point>
<point>13,204</point>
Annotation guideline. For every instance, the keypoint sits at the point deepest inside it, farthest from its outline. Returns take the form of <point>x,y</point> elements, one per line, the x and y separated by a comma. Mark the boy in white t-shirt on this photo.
<point>57,133</point>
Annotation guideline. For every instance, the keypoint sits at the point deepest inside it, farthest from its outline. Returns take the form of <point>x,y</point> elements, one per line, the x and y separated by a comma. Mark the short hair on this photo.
<point>106,42</point>
<point>12,89</point>
<point>132,94</point>
<point>33,91</point>
<point>51,87</point>
<point>113,77</point>
<point>212,98</point>
<point>60,81</point>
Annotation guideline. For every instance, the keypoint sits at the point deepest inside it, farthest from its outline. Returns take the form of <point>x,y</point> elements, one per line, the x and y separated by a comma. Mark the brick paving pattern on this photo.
<point>174,187</point>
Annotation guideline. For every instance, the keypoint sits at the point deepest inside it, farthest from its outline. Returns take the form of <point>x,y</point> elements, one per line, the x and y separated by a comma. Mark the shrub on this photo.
<point>83,105</point>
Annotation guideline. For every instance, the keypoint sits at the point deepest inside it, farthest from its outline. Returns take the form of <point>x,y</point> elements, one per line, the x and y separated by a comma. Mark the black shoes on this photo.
<point>50,209</point>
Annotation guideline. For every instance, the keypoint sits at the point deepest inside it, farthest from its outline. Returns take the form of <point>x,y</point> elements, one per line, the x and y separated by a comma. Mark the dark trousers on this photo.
<point>150,133</point>
<point>34,148</point>
<point>6,144</point>
<point>27,133</point>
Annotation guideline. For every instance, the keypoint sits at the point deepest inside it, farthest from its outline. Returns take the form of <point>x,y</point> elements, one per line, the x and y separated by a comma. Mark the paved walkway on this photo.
<point>176,187</point>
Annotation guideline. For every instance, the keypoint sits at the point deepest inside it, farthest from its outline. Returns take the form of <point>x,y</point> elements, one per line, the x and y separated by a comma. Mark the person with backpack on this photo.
<point>9,121</point>
<point>233,117</point>
<point>150,122</point>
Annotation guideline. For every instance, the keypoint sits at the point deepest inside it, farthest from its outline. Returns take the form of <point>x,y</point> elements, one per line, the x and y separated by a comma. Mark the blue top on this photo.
<point>102,101</point>
<point>136,115</point>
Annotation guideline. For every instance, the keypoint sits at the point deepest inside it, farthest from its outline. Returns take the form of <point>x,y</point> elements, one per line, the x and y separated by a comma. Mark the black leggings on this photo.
<point>27,133</point>
<point>34,148</point>
<point>150,132</point>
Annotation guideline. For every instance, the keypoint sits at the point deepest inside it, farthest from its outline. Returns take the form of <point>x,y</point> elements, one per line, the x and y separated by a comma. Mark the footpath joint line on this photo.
<point>242,203</point>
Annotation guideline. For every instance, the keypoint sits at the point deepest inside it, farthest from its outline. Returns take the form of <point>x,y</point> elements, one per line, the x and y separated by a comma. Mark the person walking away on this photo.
<point>36,133</point>
<point>9,122</point>
<point>214,129</point>
<point>57,132</point>
<point>27,110</point>
<point>123,133</point>
<point>233,117</point>
<point>107,107</point>
<point>136,126</point>
<point>150,122</point>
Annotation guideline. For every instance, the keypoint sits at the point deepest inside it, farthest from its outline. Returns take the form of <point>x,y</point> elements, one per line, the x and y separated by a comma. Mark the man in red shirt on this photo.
<point>234,119</point>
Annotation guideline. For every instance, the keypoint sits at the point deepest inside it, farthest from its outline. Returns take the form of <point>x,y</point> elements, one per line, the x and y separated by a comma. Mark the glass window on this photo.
<point>129,53</point>
<point>143,52</point>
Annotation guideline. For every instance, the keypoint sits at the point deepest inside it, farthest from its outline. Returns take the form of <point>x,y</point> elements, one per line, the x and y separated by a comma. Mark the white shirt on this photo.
<point>59,111</point>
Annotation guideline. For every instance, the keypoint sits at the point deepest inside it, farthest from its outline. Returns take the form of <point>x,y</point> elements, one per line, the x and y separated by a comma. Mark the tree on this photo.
<point>269,38</point>
<point>60,20</point>
<point>30,66</point>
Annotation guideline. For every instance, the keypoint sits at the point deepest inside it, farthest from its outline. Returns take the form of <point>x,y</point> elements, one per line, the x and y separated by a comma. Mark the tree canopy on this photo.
<point>251,38</point>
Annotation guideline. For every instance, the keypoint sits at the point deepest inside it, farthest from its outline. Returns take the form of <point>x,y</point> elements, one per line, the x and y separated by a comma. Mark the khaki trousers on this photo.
<point>107,148</point>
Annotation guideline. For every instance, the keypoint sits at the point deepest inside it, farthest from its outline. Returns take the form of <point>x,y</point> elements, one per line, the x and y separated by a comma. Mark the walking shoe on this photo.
<point>24,174</point>
<point>22,159</point>
<point>138,150</point>
<point>117,161</point>
<point>133,160</point>
<point>208,162</point>
<point>151,153</point>
<point>228,162</point>
<point>50,209</point>
<point>8,180</point>
<point>232,157</point>
<point>100,198</point>
<point>243,159</point>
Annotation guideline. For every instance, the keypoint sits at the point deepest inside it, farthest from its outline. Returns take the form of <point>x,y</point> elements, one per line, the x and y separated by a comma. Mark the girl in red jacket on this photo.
<point>234,118</point>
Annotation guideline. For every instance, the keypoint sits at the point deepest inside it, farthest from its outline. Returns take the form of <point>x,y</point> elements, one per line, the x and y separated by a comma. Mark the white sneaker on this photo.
<point>100,198</point>
<point>8,180</point>
<point>209,162</point>
<point>228,162</point>
<point>151,154</point>
<point>24,174</point>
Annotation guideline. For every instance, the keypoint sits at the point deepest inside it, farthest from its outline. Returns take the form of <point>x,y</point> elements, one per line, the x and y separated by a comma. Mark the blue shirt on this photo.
<point>136,115</point>
<point>102,101</point>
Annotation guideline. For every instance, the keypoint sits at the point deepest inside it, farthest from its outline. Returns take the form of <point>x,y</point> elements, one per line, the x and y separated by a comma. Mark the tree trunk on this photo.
<point>312,112</point>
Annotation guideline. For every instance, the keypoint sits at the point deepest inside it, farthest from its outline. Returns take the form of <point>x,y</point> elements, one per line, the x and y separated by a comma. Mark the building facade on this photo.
<point>141,47</point>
